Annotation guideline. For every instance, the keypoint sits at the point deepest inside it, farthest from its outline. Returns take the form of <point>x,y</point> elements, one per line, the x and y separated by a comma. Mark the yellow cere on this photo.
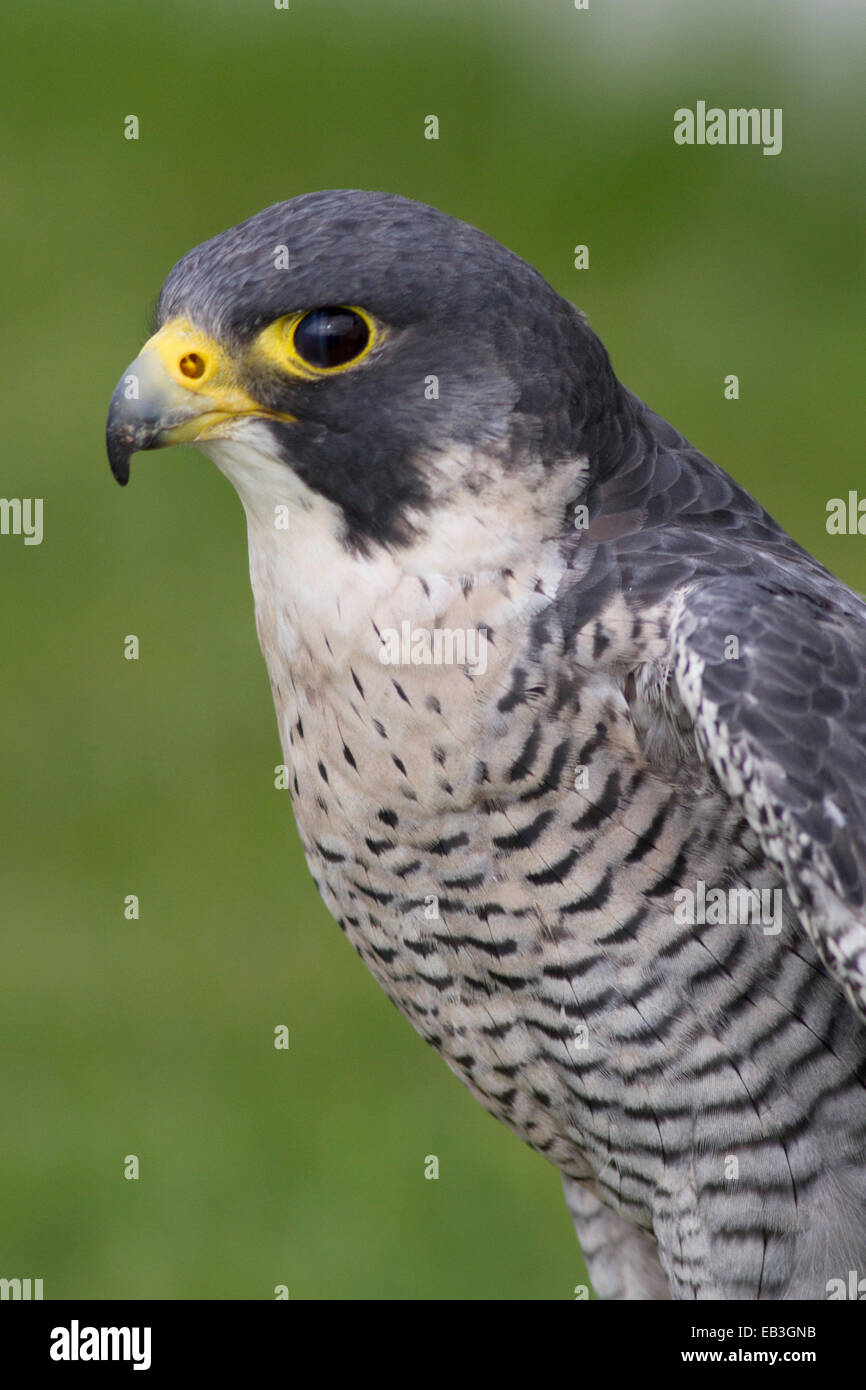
<point>183,363</point>
<point>198,362</point>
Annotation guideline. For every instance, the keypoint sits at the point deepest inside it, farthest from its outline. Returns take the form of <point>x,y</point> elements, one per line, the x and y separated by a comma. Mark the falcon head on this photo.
<point>376,352</point>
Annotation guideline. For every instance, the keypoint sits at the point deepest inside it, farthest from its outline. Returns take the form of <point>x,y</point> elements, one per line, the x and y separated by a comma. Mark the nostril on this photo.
<point>192,365</point>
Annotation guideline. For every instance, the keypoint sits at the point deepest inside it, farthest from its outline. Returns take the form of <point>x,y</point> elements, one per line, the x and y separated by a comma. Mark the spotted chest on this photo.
<point>501,843</point>
<point>500,853</point>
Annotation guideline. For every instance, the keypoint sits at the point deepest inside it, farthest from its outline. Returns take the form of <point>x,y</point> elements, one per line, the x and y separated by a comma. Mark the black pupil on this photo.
<point>330,337</point>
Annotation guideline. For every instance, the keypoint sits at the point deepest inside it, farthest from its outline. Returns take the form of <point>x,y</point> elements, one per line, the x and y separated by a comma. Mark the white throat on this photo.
<point>481,558</point>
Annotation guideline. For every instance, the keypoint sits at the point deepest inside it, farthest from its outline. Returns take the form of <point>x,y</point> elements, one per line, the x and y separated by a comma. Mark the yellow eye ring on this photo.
<point>323,341</point>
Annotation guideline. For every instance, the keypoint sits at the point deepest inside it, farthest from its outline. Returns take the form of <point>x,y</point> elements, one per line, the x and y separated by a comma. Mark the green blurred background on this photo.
<point>155,1037</point>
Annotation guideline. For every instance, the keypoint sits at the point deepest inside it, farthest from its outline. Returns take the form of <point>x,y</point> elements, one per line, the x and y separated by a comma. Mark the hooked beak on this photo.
<point>182,388</point>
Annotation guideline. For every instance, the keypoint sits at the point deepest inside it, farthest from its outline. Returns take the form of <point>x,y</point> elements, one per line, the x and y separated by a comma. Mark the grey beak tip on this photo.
<point>119,450</point>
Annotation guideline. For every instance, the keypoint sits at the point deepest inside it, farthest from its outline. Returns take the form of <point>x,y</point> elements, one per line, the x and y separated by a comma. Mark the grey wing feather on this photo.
<point>772,677</point>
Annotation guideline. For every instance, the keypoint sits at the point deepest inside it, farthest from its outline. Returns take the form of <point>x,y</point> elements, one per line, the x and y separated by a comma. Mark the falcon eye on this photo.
<point>331,337</point>
<point>312,343</point>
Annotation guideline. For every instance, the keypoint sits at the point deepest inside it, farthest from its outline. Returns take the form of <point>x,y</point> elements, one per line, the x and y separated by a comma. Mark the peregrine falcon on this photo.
<point>575,732</point>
